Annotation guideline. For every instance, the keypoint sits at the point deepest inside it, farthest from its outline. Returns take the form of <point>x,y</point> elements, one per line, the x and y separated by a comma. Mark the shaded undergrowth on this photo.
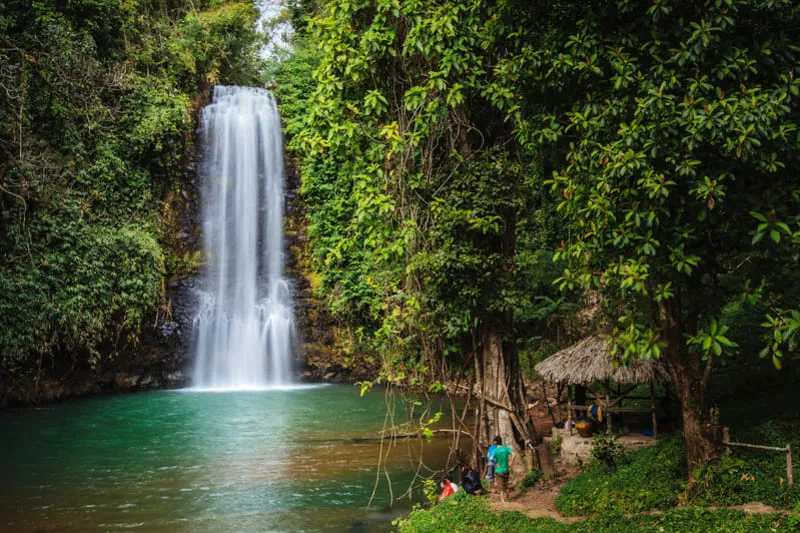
<point>655,478</point>
<point>651,478</point>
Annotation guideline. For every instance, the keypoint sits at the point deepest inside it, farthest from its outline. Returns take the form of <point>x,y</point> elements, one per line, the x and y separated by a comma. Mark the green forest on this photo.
<point>482,185</point>
<point>97,120</point>
<point>488,181</point>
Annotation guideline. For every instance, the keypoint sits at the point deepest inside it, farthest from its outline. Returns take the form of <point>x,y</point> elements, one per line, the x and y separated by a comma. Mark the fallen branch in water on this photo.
<point>407,435</point>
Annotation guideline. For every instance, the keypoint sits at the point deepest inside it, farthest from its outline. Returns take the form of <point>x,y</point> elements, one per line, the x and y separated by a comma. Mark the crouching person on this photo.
<point>448,487</point>
<point>470,480</point>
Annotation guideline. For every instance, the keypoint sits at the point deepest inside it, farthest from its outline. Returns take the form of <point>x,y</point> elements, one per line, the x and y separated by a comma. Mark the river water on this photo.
<point>274,460</point>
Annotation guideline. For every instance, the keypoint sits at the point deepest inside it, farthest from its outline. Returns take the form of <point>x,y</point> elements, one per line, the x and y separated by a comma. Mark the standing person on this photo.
<point>490,465</point>
<point>504,456</point>
<point>595,412</point>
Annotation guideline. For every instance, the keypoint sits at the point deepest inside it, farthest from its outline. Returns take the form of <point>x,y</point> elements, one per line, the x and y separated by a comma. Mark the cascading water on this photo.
<point>245,326</point>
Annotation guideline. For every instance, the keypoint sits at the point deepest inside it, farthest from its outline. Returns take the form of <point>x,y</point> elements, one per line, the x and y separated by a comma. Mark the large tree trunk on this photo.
<point>702,439</point>
<point>503,405</point>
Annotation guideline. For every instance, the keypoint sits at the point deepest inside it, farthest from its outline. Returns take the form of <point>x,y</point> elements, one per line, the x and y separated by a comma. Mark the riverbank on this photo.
<point>474,514</point>
<point>161,367</point>
<point>745,491</point>
<point>85,383</point>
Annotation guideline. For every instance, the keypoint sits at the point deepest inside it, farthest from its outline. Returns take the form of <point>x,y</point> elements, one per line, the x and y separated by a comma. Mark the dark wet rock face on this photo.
<point>183,294</point>
<point>321,357</point>
<point>164,358</point>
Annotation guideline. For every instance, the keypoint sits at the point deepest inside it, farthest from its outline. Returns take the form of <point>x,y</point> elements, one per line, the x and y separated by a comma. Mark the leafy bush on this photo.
<point>653,478</point>
<point>532,478</point>
<point>794,518</point>
<point>555,444</point>
<point>431,490</point>
<point>685,521</point>
<point>217,45</point>
<point>92,281</point>
<point>467,514</point>
<point>751,475</point>
<point>607,450</point>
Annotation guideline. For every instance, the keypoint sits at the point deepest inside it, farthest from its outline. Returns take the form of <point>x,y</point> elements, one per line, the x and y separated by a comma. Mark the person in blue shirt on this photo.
<point>596,412</point>
<point>490,464</point>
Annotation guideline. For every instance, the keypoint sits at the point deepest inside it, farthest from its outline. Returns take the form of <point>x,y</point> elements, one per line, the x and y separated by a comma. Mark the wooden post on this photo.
<point>559,392</point>
<point>787,451</point>
<point>546,461</point>
<point>608,402</point>
<point>653,410</point>
<point>570,414</point>
<point>547,403</point>
<point>789,472</point>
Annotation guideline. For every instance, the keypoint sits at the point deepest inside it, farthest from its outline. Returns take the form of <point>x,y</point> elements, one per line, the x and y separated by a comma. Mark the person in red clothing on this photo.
<point>448,487</point>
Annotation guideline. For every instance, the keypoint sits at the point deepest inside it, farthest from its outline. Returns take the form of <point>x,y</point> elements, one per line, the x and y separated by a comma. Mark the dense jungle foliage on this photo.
<point>450,150</point>
<point>98,101</point>
<point>425,217</point>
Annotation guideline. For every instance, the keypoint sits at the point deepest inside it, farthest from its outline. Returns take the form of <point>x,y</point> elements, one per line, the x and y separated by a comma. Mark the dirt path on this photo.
<point>533,502</point>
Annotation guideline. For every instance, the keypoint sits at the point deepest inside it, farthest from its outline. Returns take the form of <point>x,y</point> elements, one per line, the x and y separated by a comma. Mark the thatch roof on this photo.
<point>589,360</point>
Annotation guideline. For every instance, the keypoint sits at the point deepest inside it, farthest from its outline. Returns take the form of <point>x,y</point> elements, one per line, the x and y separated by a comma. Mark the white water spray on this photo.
<point>245,325</point>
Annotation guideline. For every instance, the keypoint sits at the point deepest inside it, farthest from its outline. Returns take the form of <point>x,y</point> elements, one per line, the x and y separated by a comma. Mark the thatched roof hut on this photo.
<point>589,360</point>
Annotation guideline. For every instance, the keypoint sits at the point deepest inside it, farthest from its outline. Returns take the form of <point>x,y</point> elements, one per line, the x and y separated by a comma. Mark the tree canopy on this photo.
<point>450,149</point>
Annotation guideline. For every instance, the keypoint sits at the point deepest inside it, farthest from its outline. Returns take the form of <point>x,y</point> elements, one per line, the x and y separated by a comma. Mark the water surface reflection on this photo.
<point>270,460</point>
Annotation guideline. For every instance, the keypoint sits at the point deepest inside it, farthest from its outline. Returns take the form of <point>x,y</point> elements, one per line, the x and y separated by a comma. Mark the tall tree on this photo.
<point>441,222</point>
<point>673,130</point>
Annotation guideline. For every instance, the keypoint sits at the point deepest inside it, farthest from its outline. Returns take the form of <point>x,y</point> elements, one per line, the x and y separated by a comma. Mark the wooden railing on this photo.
<point>787,450</point>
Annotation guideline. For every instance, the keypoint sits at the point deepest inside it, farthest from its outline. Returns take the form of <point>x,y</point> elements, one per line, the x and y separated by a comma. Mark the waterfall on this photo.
<point>245,327</point>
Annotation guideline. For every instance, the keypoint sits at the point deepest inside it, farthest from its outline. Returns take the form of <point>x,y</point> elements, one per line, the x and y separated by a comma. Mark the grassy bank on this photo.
<point>464,514</point>
<point>644,492</point>
<point>655,478</point>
